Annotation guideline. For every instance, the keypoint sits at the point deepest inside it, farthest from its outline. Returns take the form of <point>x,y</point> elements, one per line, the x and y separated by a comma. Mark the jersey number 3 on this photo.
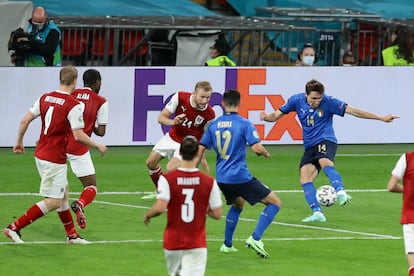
<point>187,208</point>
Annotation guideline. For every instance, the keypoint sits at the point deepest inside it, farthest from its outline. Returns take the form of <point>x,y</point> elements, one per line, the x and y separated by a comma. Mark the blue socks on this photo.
<point>310,196</point>
<point>334,178</point>
<point>232,219</point>
<point>265,219</point>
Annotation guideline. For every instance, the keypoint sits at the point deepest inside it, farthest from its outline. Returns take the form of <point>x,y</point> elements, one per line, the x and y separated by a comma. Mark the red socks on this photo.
<point>87,196</point>
<point>35,212</point>
<point>155,175</point>
<point>27,218</point>
<point>67,221</point>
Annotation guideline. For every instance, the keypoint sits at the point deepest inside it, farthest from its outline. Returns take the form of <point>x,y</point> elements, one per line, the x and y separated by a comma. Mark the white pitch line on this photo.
<point>208,240</point>
<point>365,234</point>
<point>369,154</point>
<point>150,192</point>
<point>121,204</point>
<point>381,236</point>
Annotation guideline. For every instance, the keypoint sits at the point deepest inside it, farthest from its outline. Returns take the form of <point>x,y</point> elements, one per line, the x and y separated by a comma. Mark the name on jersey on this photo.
<point>224,124</point>
<point>188,180</point>
<point>55,100</point>
<point>83,96</point>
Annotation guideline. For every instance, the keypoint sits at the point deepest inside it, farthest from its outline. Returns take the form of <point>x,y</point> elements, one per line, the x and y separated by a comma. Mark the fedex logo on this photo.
<point>237,78</point>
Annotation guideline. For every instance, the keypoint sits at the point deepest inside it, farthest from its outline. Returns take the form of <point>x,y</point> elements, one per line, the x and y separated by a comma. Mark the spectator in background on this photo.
<point>189,196</point>
<point>400,53</point>
<point>403,172</point>
<point>307,56</point>
<point>44,39</point>
<point>348,59</point>
<point>219,54</point>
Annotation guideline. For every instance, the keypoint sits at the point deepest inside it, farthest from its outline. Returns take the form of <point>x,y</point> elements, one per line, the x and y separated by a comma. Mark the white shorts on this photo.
<point>189,262</point>
<point>408,233</point>
<point>81,165</point>
<point>167,147</point>
<point>53,178</point>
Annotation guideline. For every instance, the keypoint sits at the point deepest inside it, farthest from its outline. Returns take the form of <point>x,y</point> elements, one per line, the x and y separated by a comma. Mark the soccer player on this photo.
<point>192,113</point>
<point>228,135</point>
<point>189,195</point>
<point>402,171</point>
<point>315,111</point>
<point>96,112</point>
<point>61,115</point>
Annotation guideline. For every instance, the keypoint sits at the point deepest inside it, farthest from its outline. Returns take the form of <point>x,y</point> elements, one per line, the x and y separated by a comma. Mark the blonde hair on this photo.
<point>204,85</point>
<point>68,74</point>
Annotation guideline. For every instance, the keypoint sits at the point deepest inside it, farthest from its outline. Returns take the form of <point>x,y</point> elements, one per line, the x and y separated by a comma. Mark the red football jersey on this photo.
<point>407,215</point>
<point>187,209</point>
<point>195,119</point>
<point>60,113</point>
<point>93,103</point>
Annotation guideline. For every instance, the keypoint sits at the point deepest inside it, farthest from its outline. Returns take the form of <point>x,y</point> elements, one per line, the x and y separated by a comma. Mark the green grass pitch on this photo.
<point>364,238</point>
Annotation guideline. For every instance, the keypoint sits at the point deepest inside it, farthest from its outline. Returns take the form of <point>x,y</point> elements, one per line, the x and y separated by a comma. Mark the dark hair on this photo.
<point>307,45</point>
<point>222,46</point>
<point>347,54</point>
<point>314,85</point>
<point>403,41</point>
<point>231,98</point>
<point>189,147</point>
<point>90,77</point>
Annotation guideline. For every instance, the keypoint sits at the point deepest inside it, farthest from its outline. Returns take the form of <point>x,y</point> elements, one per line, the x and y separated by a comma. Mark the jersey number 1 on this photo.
<point>48,119</point>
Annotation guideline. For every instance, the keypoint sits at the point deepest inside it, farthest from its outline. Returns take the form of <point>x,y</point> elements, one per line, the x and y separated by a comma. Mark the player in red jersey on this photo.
<point>96,112</point>
<point>403,170</point>
<point>192,113</point>
<point>61,115</point>
<point>189,195</point>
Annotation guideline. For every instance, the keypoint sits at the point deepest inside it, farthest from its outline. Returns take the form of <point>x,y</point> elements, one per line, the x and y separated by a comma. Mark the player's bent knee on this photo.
<point>272,198</point>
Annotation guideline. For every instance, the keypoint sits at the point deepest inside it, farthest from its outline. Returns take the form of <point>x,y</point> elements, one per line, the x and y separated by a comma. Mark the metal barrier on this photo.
<point>135,40</point>
<point>256,41</point>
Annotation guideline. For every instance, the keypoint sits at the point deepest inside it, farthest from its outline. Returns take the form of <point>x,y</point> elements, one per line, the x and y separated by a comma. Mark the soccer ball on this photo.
<point>326,195</point>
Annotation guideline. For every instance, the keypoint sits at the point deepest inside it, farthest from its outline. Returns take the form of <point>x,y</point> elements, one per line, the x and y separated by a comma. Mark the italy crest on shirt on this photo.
<point>320,112</point>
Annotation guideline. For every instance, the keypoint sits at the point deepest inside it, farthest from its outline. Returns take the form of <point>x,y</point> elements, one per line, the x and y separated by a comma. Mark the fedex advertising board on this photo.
<point>136,95</point>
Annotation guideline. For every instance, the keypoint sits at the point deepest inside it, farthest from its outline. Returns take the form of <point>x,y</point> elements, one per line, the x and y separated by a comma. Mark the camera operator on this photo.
<point>41,43</point>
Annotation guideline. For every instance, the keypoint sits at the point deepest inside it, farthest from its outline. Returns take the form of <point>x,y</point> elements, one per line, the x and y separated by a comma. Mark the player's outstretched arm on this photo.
<point>164,118</point>
<point>157,209</point>
<point>83,138</point>
<point>394,185</point>
<point>24,124</point>
<point>200,154</point>
<point>259,149</point>
<point>100,130</point>
<point>204,164</point>
<point>271,117</point>
<point>368,115</point>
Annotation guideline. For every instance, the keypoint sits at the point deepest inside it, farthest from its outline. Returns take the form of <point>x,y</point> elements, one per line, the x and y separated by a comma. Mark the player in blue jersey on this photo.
<point>315,111</point>
<point>228,135</point>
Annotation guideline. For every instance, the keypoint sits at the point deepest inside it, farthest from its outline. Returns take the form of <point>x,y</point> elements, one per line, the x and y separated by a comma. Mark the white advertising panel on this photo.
<point>136,95</point>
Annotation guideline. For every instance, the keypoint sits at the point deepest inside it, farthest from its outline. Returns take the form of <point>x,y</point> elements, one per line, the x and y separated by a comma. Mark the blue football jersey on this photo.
<point>317,123</point>
<point>229,135</point>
